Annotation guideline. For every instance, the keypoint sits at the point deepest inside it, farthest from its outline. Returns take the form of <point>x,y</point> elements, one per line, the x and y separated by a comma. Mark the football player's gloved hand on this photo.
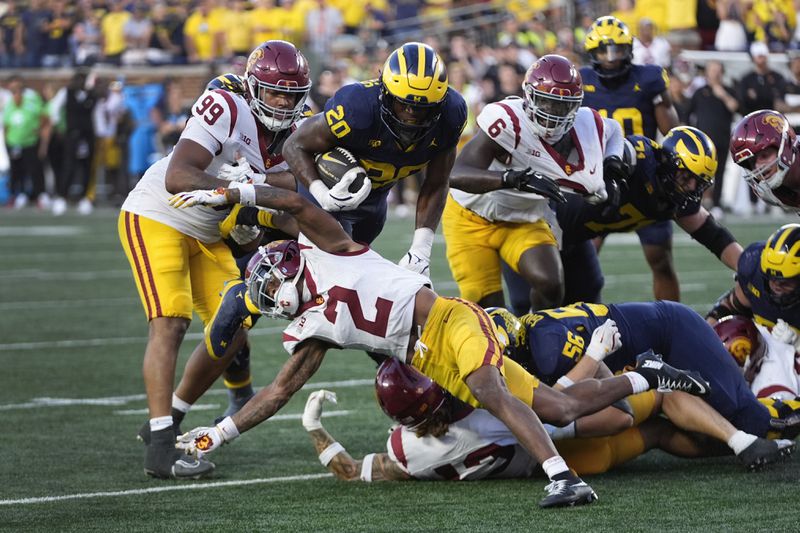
<point>418,257</point>
<point>338,197</point>
<point>606,339</point>
<point>783,332</point>
<point>241,172</point>
<point>244,234</point>
<point>529,180</point>
<point>615,174</point>
<point>313,410</point>
<point>203,440</point>
<point>199,197</point>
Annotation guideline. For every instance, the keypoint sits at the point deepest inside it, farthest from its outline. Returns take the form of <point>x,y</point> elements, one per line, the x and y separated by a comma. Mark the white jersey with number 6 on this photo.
<point>506,123</point>
<point>477,446</point>
<point>355,300</point>
<point>223,124</point>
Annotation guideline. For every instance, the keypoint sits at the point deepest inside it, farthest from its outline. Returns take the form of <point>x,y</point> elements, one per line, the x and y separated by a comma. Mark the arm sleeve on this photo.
<point>612,138</point>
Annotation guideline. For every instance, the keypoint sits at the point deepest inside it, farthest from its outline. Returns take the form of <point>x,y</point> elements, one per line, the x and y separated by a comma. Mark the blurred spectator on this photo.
<point>137,31</point>
<point>27,133</point>
<point>10,34</point>
<point>112,31</point>
<point>169,117</point>
<point>56,113</point>
<point>32,33</point>
<point>199,32</point>
<point>87,37</point>
<point>681,25</point>
<point>323,23</point>
<point>793,83</point>
<point>108,159</point>
<point>328,82</point>
<point>649,48</point>
<point>762,88</point>
<point>509,81</point>
<point>707,23</point>
<point>404,15</point>
<point>166,39</point>
<point>711,109</point>
<point>238,34</point>
<point>57,32</point>
<point>79,141</point>
<point>677,93</point>
<point>268,21</point>
<point>731,35</point>
<point>772,21</point>
<point>627,13</point>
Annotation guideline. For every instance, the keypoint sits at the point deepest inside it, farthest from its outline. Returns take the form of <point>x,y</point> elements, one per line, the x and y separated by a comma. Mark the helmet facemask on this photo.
<point>608,52</point>
<point>275,118</point>
<point>407,133</point>
<point>272,276</point>
<point>552,115</point>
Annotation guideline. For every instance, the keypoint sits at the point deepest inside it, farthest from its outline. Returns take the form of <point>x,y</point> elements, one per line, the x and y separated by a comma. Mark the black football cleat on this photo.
<point>567,493</point>
<point>665,378</point>
<point>763,452</point>
<point>163,461</point>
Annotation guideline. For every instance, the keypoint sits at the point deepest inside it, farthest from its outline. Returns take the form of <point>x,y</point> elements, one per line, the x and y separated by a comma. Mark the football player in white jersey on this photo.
<point>497,210</point>
<point>178,260</point>
<point>441,438</point>
<point>335,292</point>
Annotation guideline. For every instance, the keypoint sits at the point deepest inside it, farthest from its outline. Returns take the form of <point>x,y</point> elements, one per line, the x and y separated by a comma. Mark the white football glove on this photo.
<point>418,257</point>
<point>199,197</point>
<point>338,198</point>
<point>606,339</point>
<point>243,234</point>
<point>783,332</point>
<point>597,198</point>
<point>203,440</point>
<point>313,410</point>
<point>241,173</point>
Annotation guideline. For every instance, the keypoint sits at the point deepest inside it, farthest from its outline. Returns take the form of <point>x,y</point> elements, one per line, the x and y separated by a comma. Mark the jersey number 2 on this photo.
<point>209,109</point>
<point>349,297</point>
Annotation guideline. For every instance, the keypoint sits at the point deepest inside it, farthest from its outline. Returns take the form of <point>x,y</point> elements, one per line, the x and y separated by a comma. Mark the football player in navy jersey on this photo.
<point>549,343</point>
<point>405,122</point>
<point>666,182</point>
<point>637,97</point>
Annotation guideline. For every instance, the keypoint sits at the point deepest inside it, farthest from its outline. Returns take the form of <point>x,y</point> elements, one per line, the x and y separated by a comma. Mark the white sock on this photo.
<point>554,466</point>
<point>638,383</point>
<point>567,432</point>
<point>741,440</point>
<point>160,422</point>
<point>179,404</point>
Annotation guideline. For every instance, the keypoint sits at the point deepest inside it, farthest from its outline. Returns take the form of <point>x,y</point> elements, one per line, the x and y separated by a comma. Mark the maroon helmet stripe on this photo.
<point>138,267</point>
<point>397,446</point>
<point>514,122</point>
<point>232,107</point>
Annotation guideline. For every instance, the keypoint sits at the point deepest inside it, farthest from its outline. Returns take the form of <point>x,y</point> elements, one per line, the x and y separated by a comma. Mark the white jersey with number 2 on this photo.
<point>355,300</point>
<point>223,124</point>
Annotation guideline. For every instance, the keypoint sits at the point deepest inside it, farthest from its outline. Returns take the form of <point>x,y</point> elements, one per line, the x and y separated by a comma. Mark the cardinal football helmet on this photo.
<point>406,395</point>
<point>553,93</point>
<point>780,261</point>
<point>754,133</point>
<point>415,76</point>
<point>271,277</point>
<point>740,337</point>
<point>688,151</point>
<point>609,40</point>
<point>277,66</point>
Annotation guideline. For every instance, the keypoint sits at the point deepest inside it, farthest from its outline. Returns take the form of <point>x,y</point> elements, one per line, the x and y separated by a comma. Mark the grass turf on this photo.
<point>73,334</point>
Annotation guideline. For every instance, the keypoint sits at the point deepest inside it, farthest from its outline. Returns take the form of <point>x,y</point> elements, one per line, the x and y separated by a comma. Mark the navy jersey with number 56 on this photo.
<point>630,102</point>
<point>353,115</point>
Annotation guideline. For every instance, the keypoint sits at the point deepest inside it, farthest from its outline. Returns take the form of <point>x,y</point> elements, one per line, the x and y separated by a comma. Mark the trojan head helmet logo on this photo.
<point>255,55</point>
<point>775,121</point>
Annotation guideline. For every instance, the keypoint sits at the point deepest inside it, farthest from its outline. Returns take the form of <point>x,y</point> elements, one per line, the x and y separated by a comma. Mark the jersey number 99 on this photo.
<point>209,110</point>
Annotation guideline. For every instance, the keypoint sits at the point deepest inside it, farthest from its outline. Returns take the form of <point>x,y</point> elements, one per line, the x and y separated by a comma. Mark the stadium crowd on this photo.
<point>528,159</point>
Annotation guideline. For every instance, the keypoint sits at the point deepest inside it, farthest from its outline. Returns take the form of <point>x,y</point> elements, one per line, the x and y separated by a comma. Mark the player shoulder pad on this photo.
<point>750,261</point>
<point>589,77</point>
<point>454,114</point>
<point>228,82</point>
<point>653,79</point>
<point>217,112</point>
<point>502,122</point>
<point>356,105</point>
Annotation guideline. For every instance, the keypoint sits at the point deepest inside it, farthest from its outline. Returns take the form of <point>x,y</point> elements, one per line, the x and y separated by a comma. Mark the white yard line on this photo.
<point>168,488</point>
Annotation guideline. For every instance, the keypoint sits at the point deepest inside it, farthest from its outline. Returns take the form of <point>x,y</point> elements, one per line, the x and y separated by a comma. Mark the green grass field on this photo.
<point>71,400</point>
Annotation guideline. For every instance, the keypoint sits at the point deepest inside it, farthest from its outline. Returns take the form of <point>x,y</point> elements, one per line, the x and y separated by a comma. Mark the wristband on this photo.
<point>366,468</point>
<point>247,193</point>
<point>565,382</point>
<point>423,239</point>
<point>228,429</point>
<point>329,453</point>
<point>597,355</point>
